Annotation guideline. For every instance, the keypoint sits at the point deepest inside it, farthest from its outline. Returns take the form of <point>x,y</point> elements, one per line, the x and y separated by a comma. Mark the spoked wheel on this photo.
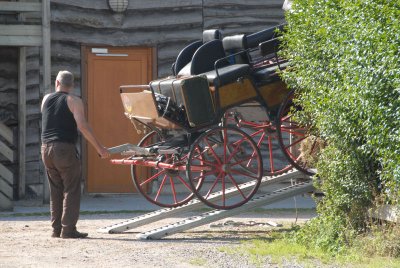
<point>300,147</point>
<point>264,133</point>
<point>216,173</point>
<point>161,186</point>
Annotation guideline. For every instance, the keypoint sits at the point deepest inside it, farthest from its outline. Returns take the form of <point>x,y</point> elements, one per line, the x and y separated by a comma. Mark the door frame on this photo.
<point>85,49</point>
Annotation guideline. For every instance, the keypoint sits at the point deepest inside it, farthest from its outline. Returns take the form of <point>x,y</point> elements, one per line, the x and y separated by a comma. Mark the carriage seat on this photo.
<point>228,74</point>
<point>185,56</point>
<point>267,74</point>
<point>239,42</point>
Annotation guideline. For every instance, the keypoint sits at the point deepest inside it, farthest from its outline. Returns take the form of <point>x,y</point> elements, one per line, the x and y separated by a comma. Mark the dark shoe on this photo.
<point>56,234</point>
<point>73,234</point>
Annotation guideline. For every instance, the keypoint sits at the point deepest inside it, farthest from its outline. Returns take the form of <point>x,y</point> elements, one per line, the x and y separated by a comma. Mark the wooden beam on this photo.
<point>6,189</point>
<point>20,6</point>
<point>18,40</point>
<point>21,121</point>
<point>6,174</point>
<point>46,52</point>
<point>25,30</point>
<point>6,151</point>
<point>46,47</point>
<point>6,133</point>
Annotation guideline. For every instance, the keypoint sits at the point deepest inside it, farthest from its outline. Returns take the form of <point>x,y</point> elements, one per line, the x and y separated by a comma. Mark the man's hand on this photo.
<point>103,152</point>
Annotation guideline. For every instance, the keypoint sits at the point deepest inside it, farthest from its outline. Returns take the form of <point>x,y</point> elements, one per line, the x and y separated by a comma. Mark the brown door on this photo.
<point>106,70</point>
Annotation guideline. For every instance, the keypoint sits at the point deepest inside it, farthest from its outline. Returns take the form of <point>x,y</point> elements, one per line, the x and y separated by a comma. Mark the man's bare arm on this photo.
<point>76,106</point>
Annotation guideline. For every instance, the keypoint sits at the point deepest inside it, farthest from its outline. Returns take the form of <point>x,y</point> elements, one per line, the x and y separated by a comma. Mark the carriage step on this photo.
<point>170,151</point>
<point>130,149</point>
<point>208,217</point>
<point>193,204</point>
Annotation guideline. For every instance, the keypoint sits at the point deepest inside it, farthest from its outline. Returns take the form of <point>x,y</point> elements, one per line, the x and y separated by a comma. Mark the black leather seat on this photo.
<point>186,54</point>
<point>205,57</point>
<point>228,74</point>
<point>267,74</point>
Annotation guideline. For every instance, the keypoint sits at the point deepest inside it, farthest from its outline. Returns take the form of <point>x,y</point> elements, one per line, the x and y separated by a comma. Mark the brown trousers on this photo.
<point>63,168</point>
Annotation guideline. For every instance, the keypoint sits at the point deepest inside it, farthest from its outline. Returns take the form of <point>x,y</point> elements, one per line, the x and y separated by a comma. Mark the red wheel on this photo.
<point>222,161</point>
<point>253,120</point>
<point>300,148</point>
<point>163,187</point>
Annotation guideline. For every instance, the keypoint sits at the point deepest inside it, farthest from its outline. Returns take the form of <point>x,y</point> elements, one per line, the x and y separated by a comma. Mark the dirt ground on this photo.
<point>26,242</point>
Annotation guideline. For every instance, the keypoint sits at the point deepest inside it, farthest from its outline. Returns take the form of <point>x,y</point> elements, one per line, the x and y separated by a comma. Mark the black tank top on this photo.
<point>58,123</point>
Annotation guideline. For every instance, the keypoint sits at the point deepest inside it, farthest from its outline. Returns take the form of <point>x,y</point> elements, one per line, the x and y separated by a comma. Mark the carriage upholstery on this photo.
<point>190,94</point>
<point>269,72</point>
<point>205,57</point>
<point>228,74</point>
<point>244,41</point>
<point>186,54</point>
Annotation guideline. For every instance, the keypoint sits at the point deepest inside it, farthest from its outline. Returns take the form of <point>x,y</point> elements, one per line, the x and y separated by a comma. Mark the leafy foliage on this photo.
<point>345,63</point>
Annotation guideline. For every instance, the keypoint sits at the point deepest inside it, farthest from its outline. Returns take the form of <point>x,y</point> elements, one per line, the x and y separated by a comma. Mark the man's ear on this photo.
<point>57,83</point>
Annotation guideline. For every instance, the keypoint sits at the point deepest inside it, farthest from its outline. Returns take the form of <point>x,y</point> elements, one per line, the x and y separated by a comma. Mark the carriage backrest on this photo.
<point>253,40</point>
<point>186,54</point>
<point>239,42</point>
<point>205,57</point>
<point>236,43</point>
<point>211,34</point>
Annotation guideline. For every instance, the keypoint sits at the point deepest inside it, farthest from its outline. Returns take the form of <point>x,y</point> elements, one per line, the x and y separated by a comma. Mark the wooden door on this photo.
<point>106,70</point>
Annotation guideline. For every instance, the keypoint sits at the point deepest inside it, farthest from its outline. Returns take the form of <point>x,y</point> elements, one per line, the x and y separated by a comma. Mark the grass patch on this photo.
<point>275,246</point>
<point>198,261</point>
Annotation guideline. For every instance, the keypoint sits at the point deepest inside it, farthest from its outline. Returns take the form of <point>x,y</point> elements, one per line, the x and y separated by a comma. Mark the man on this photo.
<point>62,116</point>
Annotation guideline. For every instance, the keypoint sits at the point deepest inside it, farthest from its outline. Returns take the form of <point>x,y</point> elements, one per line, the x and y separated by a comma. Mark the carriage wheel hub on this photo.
<point>226,168</point>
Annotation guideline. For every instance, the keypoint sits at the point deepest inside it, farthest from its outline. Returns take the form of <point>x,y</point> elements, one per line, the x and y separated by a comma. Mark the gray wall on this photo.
<point>168,25</point>
<point>9,108</point>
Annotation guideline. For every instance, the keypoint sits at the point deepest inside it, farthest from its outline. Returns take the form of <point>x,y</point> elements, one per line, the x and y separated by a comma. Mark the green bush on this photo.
<point>345,63</point>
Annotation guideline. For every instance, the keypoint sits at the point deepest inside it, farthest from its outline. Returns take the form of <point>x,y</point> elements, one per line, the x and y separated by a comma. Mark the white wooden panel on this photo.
<point>386,213</point>
<point>6,189</point>
<point>5,203</point>
<point>22,121</point>
<point>6,133</point>
<point>20,6</point>
<point>6,151</point>
<point>10,40</point>
<point>25,30</point>
<point>6,174</point>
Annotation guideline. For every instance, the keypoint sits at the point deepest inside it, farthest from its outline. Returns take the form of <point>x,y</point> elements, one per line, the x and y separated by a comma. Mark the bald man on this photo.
<point>62,116</point>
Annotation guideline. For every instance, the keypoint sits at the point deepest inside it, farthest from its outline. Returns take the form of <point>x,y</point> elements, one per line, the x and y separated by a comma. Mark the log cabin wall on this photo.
<point>9,58</point>
<point>168,25</point>
<point>9,110</point>
<point>242,17</point>
<point>9,100</point>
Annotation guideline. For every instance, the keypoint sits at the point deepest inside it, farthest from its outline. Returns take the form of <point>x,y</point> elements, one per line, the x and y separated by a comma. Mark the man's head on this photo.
<point>64,81</point>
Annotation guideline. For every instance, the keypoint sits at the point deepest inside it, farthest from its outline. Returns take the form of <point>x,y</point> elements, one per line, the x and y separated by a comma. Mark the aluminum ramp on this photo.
<point>215,215</point>
<point>193,204</point>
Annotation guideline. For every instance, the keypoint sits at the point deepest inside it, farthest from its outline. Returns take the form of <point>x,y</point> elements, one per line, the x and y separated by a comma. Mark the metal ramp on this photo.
<point>196,204</point>
<point>215,215</point>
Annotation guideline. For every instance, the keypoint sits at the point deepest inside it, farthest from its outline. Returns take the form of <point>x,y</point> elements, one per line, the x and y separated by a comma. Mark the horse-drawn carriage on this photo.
<point>217,126</point>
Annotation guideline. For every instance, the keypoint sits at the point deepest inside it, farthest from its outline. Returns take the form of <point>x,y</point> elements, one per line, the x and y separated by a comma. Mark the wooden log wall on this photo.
<point>237,16</point>
<point>9,121</point>
<point>9,107</point>
<point>168,25</point>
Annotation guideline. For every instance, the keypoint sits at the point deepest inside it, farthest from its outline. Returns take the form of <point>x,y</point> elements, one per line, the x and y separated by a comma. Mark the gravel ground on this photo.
<point>26,242</point>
